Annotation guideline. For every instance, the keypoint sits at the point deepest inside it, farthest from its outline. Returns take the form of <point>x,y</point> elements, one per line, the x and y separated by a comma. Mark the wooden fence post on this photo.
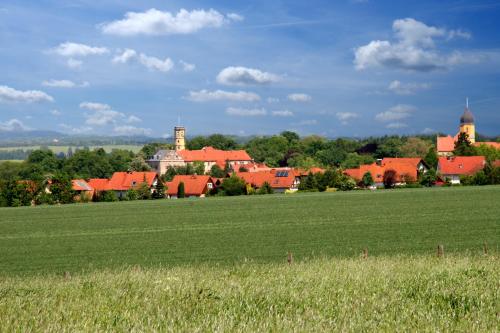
<point>290,258</point>
<point>440,251</point>
<point>365,253</point>
<point>485,248</point>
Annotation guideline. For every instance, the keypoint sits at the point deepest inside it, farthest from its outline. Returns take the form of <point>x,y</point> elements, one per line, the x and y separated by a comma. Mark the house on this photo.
<point>406,170</point>
<point>121,182</point>
<point>165,158</point>
<point>452,167</point>
<point>279,180</point>
<point>194,185</point>
<point>84,192</point>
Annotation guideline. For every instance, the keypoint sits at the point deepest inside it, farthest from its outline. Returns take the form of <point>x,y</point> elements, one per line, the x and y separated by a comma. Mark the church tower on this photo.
<point>467,123</point>
<point>179,138</point>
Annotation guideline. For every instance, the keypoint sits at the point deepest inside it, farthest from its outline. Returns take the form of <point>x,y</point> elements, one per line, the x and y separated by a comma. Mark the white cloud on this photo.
<point>299,97</point>
<point>125,57</point>
<point>245,76</point>
<point>395,113</point>
<point>459,34</point>
<point>219,95</point>
<point>271,100</point>
<point>76,130</point>
<point>344,117</point>
<point>13,125</point>
<point>55,112</point>
<point>396,125</point>
<point>149,62</point>
<point>133,119</point>
<point>241,112</point>
<point>131,130</point>
<point>282,113</point>
<point>103,117</point>
<point>78,50</point>
<point>187,67</point>
<point>428,130</point>
<point>92,106</point>
<point>8,94</point>
<point>153,63</point>
<point>235,17</point>
<point>64,84</point>
<point>74,63</point>
<point>414,49</point>
<point>409,88</point>
<point>156,22</point>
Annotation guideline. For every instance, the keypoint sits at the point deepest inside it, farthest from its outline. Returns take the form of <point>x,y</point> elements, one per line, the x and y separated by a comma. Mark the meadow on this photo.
<point>166,233</point>
<point>399,293</point>
<point>220,264</point>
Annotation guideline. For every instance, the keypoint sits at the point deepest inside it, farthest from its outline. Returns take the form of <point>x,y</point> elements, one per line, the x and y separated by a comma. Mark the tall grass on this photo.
<point>425,293</point>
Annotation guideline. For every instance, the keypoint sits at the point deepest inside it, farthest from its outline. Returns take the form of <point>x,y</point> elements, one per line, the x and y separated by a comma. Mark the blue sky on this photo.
<point>333,68</point>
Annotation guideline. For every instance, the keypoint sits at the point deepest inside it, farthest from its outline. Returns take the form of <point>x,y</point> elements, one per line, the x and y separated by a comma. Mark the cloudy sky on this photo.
<point>334,68</point>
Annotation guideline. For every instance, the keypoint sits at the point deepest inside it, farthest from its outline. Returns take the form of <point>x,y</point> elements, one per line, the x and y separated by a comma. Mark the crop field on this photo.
<point>85,237</point>
<point>220,264</point>
<point>456,293</point>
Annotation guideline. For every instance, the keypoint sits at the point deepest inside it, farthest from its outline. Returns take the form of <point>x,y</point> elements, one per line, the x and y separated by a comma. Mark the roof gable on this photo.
<point>194,185</point>
<point>461,165</point>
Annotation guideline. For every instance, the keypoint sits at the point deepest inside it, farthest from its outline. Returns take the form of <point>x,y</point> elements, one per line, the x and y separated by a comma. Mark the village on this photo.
<point>259,178</point>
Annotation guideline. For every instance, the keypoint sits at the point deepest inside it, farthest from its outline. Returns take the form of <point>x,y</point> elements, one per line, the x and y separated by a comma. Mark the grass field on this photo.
<point>64,149</point>
<point>394,294</point>
<point>85,237</point>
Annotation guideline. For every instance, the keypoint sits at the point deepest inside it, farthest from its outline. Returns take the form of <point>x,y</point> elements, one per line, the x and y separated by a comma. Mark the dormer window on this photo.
<point>134,183</point>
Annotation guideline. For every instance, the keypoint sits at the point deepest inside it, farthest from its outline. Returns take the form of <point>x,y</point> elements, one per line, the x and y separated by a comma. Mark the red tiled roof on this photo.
<point>490,144</point>
<point>404,167</point>
<point>210,154</point>
<point>99,184</point>
<point>445,143</point>
<point>123,181</point>
<point>461,165</point>
<point>80,185</point>
<point>258,178</point>
<point>194,185</point>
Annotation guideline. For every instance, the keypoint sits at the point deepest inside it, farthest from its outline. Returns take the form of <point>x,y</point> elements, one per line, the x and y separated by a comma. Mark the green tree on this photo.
<point>131,195</point>
<point>199,167</point>
<point>143,191</point>
<point>151,148</point>
<point>217,172</point>
<point>463,146</point>
<point>159,192</point>
<point>309,183</point>
<point>389,147</point>
<point>138,164</point>
<point>180,191</point>
<point>367,179</point>
<point>234,185</point>
<point>354,160</point>
<point>120,159</point>
<point>292,137</point>
<point>431,158</point>
<point>265,189</point>
<point>415,147</point>
<point>61,189</point>
<point>429,178</point>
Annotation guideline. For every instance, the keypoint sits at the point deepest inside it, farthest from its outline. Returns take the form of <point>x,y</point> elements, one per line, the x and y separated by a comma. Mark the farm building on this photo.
<point>279,180</point>
<point>83,190</point>
<point>121,182</point>
<point>210,156</point>
<point>194,185</point>
<point>406,170</point>
<point>452,167</point>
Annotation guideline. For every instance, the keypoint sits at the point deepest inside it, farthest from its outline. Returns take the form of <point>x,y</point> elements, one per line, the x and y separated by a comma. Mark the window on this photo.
<point>210,185</point>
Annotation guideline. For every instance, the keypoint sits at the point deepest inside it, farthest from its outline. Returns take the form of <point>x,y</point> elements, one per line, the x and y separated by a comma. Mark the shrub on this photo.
<point>180,190</point>
<point>234,185</point>
<point>265,189</point>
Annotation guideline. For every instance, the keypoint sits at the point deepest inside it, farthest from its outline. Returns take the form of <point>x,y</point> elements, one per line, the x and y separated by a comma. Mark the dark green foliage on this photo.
<point>367,179</point>
<point>429,178</point>
<point>309,183</point>
<point>106,196</point>
<point>181,191</point>
<point>131,195</point>
<point>431,159</point>
<point>120,159</point>
<point>199,167</point>
<point>354,160</point>
<point>143,191</point>
<point>490,175</point>
<point>217,172</point>
<point>463,146</point>
<point>265,189</point>
<point>61,189</point>
<point>234,185</point>
<point>88,164</point>
<point>138,164</point>
<point>159,192</point>
<point>390,147</point>
<point>151,148</point>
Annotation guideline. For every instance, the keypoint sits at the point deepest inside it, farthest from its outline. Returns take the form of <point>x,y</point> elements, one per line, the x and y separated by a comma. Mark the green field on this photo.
<point>220,264</point>
<point>380,294</point>
<point>64,149</point>
<point>85,237</point>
